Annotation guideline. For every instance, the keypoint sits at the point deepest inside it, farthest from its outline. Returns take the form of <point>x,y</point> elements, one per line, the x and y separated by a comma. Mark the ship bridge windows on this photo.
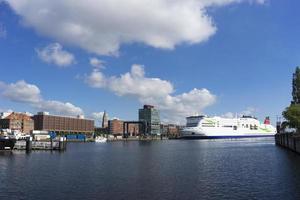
<point>191,124</point>
<point>204,124</point>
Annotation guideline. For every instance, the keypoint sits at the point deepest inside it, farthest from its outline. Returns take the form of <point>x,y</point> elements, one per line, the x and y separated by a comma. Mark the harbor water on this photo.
<point>170,169</point>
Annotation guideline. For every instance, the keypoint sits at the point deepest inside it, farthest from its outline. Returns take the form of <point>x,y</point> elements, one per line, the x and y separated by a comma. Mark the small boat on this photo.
<point>7,143</point>
<point>100,139</point>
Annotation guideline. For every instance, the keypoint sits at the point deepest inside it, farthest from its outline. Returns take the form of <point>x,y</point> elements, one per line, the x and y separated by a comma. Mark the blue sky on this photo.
<point>245,64</point>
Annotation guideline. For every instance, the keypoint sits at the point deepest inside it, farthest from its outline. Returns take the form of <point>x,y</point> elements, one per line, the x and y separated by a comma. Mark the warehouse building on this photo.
<point>63,124</point>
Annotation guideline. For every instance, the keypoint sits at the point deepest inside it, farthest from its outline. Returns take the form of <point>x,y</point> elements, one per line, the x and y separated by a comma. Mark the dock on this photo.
<point>38,145</point>
<point>29,145</point>
<point>290,141</point>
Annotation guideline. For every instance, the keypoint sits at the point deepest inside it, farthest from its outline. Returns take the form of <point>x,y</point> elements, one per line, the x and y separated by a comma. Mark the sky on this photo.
<point>213,57</point>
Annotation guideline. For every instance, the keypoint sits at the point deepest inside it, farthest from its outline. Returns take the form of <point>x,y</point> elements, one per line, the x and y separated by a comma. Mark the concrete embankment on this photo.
<point>29,144</point>
<point>288,140</point>
<point>111,139</point>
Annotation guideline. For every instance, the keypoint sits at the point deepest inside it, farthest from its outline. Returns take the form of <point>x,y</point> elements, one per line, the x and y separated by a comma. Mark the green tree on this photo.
<point>292,113</point>
<point>296,86</point>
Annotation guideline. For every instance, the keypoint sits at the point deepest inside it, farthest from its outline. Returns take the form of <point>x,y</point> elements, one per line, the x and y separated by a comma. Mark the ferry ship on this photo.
<point>202,127</point>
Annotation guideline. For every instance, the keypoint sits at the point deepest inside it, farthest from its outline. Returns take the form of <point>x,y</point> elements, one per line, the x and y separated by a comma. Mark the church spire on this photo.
<point>104,120</point>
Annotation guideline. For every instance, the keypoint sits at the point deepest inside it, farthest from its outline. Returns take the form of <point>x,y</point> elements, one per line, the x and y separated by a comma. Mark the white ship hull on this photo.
<point>217,127</point>
<point>202,134</point>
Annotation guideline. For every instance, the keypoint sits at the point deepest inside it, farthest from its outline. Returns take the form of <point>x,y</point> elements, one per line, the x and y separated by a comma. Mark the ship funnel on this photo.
<point>267,120</point>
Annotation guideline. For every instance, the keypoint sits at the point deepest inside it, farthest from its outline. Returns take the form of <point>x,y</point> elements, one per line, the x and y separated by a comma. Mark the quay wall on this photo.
<point>290,141</point>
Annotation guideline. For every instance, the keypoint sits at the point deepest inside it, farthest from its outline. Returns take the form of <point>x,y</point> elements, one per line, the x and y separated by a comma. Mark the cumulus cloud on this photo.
<point>28,93</point>
<point>21,92</point>
<point>228,115</point>
<point>65,108</point>
<point>6,110</point>
<point>54,54</point>
<point>153,91</point>
<point>96,79</point>
<point>249,111</point>
<point>97,116</point>
<point>132,83</point>
<point>97,63</point>
<point>226,2</point>
<point>102,26</point>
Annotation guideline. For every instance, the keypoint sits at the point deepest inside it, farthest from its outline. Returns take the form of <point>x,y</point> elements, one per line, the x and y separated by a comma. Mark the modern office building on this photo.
<point>150,117</point>
<point>63,124</point>
<point>17,121</point>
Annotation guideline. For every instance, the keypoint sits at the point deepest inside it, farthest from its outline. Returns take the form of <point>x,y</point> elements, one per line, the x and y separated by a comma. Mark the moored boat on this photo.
<point>7,143</point>
<point>100,139</point>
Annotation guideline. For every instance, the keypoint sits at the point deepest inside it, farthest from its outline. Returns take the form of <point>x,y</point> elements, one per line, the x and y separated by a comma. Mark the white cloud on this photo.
<point>132,83</point>
<point>22,92</point>
<point>97,115</point>
<point>249,111</point>
<point>153,91</point>
<point>60,107</point>
<point>6,110</point>
<point>28,93</point>
<point>226,2</point>
<point>95,62</point>
<point>228,115</point>
<point>54,54</point>
<point>96,79</point>
<point>102,26</point>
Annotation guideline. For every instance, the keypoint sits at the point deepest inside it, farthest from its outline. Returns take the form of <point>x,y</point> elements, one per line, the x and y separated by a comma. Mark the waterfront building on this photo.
<point>151,119</point>
<point>101,131</point>
<point>63,124</point>
<point>116,127</point>
<point>170,130</point>
<point>4,114</point>
<point>17,121</point>
<point>105,120</point>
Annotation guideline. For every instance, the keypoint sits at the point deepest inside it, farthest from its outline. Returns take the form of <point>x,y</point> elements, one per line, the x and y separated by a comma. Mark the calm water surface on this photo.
<point>198,169</point>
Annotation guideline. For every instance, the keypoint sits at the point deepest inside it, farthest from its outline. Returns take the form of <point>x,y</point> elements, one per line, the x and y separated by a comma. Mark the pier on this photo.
<point>29,145</point>
<point>290,141</point>
<point>136,139</point>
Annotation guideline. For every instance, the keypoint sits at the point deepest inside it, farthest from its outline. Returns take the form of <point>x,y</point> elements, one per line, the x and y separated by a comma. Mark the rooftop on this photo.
<point>18,116</point>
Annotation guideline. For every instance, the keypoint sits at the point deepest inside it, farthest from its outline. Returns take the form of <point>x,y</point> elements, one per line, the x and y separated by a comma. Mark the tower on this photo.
<point>104,120</point>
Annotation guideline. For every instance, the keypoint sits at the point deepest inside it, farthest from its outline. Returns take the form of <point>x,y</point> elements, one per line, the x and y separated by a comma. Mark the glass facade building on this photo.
<point>150,117</point>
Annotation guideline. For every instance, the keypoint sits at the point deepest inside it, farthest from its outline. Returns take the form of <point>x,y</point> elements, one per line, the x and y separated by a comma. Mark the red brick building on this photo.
<point>170,130</point>
<point>63,124</point>
<point>116,127</point>
<point>17,121</point>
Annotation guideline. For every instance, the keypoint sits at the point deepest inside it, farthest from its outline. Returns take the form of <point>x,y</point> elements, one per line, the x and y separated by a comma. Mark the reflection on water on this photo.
<point>175,169</point>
